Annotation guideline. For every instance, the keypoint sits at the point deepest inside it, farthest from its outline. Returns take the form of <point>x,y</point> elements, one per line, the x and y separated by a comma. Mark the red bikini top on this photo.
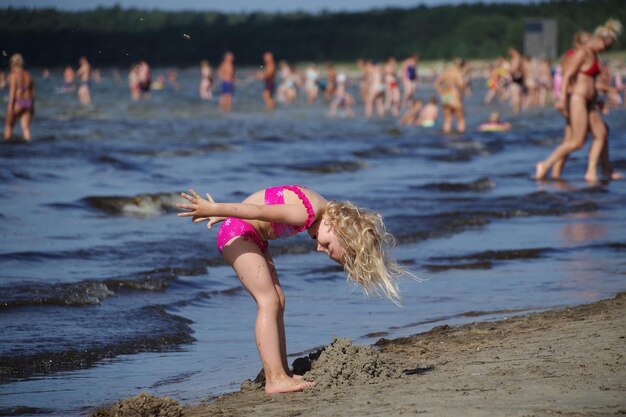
<point>594,69</point>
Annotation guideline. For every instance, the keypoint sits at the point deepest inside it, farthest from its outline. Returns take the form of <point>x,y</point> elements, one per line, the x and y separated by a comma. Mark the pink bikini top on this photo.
<point>276,195</point>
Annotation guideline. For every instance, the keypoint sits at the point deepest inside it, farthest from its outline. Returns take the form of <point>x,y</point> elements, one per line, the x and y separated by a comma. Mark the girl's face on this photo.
<point>326,240</point>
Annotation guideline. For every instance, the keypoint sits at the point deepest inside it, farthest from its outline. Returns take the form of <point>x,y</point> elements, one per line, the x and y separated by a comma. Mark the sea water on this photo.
<point>105,293</point>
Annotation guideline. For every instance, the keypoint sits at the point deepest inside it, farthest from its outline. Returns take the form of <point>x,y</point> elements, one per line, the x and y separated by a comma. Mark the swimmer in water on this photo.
<point>494,124</point>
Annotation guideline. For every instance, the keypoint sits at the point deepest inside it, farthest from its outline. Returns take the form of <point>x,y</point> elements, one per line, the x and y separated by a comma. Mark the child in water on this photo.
<point>350,236</point>
<point>494,124</point>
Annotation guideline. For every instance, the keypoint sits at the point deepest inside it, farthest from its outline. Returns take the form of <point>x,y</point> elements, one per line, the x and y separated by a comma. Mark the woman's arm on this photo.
<point>12,89</point>
<point>200,208</point>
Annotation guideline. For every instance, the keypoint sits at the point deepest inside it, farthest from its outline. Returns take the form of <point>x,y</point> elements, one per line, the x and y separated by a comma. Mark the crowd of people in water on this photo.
<point>580,86</point>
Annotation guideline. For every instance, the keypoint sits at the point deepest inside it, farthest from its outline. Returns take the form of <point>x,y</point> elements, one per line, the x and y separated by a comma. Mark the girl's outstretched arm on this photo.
<point>201,209</point>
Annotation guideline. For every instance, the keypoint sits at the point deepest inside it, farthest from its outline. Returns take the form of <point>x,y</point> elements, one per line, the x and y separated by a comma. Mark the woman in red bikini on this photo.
<point>584,66</point>
<point>351,236</point>
<point>21,99</point>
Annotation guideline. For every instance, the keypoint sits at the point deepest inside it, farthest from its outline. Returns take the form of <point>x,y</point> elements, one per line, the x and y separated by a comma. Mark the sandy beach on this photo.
<point>567,362</point>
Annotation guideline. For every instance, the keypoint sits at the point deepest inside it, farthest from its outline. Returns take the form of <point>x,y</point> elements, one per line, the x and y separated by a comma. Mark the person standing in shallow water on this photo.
<point>451,86</point>
<point>267,76</point>
<point>206,80</point>
<point>84,75</point>
<point>351,236</point>
<point>21,103</point>
<point>226,74</point>
<point>580,106</point>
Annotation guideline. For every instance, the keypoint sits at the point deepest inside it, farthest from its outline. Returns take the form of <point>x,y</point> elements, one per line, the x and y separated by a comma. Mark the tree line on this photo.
<point>117,36</point>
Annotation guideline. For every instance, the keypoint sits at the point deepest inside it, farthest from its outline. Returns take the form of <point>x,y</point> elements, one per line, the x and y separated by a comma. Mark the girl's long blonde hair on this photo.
<point>366,244</point>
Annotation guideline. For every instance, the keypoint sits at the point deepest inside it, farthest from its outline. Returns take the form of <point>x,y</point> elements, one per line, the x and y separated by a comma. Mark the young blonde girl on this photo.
<point>351,236</point>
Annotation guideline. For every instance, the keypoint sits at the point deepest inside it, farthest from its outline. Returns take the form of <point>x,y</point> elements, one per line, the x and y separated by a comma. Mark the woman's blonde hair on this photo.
<point>17,60</point>
<point>366,244</point>
<point>612,28</point>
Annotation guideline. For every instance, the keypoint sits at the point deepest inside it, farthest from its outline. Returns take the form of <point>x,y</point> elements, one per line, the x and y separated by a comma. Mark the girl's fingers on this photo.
<point>194,193</point>
<point>187,197</point>
<point>186,206</point>
<point>208,197</point>
<point>184,214</point>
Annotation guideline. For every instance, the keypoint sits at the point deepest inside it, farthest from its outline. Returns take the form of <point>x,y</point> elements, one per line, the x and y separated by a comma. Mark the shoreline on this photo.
<point>567,362</point>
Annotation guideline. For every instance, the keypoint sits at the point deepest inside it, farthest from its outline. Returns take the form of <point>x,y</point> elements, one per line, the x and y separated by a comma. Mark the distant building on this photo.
<point>540,38</point>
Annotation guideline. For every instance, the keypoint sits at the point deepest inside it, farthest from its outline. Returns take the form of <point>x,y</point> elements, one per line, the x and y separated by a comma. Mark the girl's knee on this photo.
<point>270,302</point>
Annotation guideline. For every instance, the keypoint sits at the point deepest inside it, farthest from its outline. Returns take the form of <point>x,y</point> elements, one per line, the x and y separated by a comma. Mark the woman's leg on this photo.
<point>557,168</point>
<point>460,119</point>
<point>255,273</point>
<point>8,126</point>
<point>579,117</point>
<point>25,123</point>
<point>600,129</point>
<point>447,119</point>
<point>600,134</point>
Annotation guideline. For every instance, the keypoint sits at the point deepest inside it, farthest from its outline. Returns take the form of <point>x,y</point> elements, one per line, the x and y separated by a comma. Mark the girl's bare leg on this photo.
<point>255,273</point>
<point>579,118</point>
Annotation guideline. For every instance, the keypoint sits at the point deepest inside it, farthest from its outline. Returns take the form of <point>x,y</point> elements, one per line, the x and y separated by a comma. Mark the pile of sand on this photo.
<point>142,405</point>
<point>342,363</point>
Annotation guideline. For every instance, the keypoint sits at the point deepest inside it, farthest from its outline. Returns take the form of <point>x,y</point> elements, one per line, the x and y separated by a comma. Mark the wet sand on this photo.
<point>567,362</point>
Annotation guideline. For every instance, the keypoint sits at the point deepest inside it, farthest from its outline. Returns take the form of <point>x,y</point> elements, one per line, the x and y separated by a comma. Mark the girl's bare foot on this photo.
<point>540,170</point>
<point>287,384</point>
<point>616,176</point>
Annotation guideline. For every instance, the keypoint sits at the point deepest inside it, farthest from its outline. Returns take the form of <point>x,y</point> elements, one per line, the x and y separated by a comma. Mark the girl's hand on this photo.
<point>211,220</point>
<point>199,209</point>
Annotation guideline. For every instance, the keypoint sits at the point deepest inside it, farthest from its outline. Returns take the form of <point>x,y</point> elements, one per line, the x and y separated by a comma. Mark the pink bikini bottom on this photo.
<point>233,228</point>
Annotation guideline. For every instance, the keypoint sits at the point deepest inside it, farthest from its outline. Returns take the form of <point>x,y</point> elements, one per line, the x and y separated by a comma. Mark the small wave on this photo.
<point>379,151</point>
<point>20,410</point>
<point>141,205</point>
<point>77,294</point>
<point>162,331</point>
<point>481,184</point>
<point>463,151</point>
<point>201,150</point>
<point>117,163</point>
<point>88,292</point>
<point>467,265</point>
<point>498,255</point>
<point>330,167</point>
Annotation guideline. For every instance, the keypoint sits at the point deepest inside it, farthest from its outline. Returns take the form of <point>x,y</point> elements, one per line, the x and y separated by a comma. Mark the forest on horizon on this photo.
<point>117,36</point>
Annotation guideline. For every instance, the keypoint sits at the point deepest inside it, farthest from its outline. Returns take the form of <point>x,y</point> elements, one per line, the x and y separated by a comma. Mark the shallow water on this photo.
<point>104,292</point>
